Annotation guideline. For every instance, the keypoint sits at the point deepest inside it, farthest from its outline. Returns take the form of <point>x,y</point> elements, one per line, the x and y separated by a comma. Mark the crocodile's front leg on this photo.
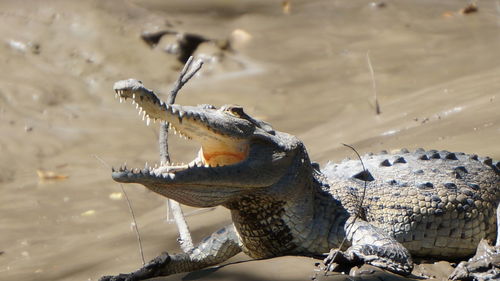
<point>213,250</point>
<point>374,246</point>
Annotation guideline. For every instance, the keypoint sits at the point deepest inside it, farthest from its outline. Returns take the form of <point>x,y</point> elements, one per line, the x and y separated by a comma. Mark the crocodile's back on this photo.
<point>436,203</point>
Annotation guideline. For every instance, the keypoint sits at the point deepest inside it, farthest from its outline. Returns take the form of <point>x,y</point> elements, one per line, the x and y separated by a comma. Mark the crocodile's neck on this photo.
<point>323,228</point>
<point>304,219</point>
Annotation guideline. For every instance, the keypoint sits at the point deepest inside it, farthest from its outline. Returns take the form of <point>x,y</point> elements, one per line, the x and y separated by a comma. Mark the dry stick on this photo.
<point>498,11</point>
<point>136,229</point>
<point>364,171</point>
<point>377,106</point>
<point>131,210</point>
<point>185,241</point>
<point>359,207</point>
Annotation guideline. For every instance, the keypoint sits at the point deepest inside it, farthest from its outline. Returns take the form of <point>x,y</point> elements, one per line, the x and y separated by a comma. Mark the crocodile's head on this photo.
<point>238,153</point>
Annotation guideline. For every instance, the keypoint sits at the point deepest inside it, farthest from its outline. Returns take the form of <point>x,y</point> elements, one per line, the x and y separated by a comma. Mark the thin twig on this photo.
<point>131,210</point>
<point>186,242</point>
<point>190,213</point>
<point>364,171</point>
<point>199,211</point>
<point>374,85</point>
<point>498,12</point>
<point>359,208</point>
<point>135,227</point>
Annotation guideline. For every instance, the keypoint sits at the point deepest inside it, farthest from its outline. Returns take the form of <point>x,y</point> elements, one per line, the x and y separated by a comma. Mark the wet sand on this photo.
<point>437,77</point>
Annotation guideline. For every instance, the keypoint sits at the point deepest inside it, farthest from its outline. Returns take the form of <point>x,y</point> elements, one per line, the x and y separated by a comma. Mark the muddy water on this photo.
<point>437,78</point>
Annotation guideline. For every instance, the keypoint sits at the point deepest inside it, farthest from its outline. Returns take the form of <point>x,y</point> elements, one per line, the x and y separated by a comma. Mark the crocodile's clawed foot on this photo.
<point>339,261</point>
<point>152,269</point>
<point>485,265</point>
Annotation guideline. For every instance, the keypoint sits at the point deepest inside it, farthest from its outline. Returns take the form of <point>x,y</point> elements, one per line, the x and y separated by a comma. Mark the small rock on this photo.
<point>469,9</point>
<point>378,4</point>
<point>88,213</point>
<point>239,38</point>
<point>116,196</point>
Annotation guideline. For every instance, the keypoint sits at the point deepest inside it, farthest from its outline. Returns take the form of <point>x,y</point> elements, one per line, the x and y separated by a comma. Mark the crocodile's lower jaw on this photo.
<point>213,153</point>
<point>218,156</point>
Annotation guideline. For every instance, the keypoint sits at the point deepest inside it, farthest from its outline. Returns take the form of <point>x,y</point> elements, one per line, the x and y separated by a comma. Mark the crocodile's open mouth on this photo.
<point>238,153</point>
<point>215,151</point>
<point>219,148</point>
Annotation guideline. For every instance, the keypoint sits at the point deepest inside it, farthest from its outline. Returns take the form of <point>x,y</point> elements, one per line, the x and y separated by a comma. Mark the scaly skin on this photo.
<point>437,204</point>
<point>423,203</point>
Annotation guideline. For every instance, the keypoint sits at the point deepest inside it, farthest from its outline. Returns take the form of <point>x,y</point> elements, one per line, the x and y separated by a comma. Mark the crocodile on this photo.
<point>383,210</point>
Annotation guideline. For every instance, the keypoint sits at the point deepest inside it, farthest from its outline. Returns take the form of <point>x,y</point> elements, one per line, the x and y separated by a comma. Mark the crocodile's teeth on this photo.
<point>136,106</point>
<point>148,120</point>
<point>133,96</point>
<point>121,99</point>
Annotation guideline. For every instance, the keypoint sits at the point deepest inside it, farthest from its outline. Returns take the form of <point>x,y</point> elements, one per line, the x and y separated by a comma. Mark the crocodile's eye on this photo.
<point>236,111</point>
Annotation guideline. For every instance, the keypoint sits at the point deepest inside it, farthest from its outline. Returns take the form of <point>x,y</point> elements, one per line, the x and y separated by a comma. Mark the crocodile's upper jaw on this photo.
<point>237,153</point>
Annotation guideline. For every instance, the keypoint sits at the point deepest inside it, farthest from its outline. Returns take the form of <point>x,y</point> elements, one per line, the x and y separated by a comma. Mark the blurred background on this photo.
<point>310,68</point>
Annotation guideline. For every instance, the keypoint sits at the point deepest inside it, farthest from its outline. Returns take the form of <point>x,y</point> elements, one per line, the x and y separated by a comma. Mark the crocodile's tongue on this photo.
<point>209,156</point>
<point>221,155</point>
